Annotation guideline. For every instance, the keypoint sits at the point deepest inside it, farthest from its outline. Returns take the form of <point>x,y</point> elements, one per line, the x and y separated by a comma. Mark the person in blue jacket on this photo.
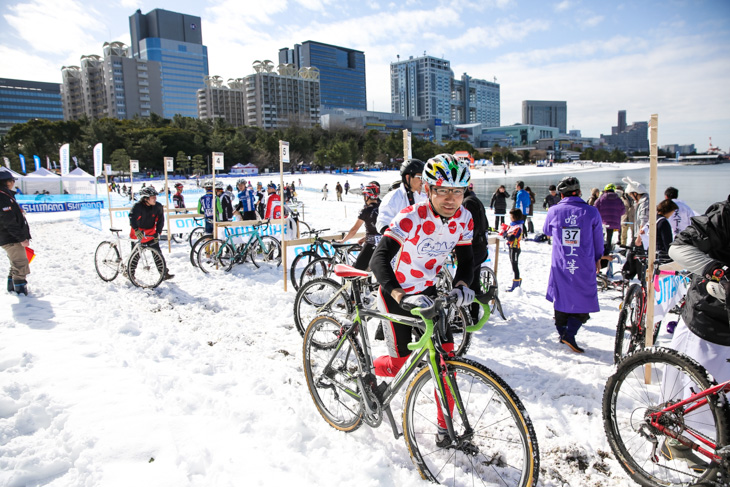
<point>523,202</point>
<point>577,233</point>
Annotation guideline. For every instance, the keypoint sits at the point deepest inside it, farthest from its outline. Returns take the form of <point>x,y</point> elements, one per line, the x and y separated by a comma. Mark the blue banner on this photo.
<point>37,161</point>
<point>22,162</point>
<point>55,207</point>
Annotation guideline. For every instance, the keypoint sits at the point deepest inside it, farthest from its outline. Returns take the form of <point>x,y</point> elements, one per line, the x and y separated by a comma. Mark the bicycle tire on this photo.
<point>334,390</point>
<point>298,264</point>
<point>487,281</point>
<point>627,399</point>
<point>459,319</point>
<point>146,268</point>
<point>507,454</point>
<point>195,234</point>
<point>215,255</point>
<point>303,227</point>
<point>316,269</point>
<point>107,261</point>
<point>628,335</point>
<point>196,246</point>
<point>272,254</point>
<point>312,296</point>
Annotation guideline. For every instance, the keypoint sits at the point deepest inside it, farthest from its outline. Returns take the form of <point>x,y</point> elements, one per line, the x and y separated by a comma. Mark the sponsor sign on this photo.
<point>218,161</point>
<point>56,207</point>
<point>98,151</point>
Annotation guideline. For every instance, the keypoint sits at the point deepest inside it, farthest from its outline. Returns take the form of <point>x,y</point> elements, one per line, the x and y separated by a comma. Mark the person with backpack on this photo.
<point>479,242</point>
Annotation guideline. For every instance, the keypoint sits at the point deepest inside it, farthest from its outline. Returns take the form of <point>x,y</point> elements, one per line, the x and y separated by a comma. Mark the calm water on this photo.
<point>699,186</point>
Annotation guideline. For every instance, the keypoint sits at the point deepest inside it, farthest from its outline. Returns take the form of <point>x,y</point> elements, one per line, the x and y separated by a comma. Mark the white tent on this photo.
<point>78,181</point>
<point>40,181</point>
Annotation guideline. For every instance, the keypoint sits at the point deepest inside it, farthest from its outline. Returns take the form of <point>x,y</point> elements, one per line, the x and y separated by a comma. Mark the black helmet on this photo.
<point>147,191</point>
<point>6,175</point>
<point>411,167</point>
<point>568,184</point>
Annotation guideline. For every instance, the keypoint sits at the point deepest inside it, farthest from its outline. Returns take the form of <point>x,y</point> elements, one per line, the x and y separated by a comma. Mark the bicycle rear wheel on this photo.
<point>487,281</point>
<point>146,267</point>
<point>215,255</point>
<point>107,261</point>
<point>316,269</point>
<point>628,401</point>
<point>195,234</point>
<point>629,326</point>
<point>458,319</point>
<point>269,254</point>
<point>196,247</point>
<point>298,264</point>
<point>320,297</point>
<point>333,387</point>
<point>498,448</point>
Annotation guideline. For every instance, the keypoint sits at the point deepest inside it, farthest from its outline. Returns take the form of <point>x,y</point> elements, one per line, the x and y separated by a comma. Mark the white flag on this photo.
<point>65,159</point>
<point>7,162</point>
<point>97,159</point>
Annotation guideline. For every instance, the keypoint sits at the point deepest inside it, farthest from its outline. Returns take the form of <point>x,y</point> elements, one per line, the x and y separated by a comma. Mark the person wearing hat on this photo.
<point>640,197</point>
<point>577,235</point>
<point>146,221</point>
<point>611,208</point>
<point>14,234</point>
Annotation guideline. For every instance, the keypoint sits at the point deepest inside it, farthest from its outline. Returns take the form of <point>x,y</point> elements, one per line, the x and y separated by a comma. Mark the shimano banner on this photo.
<point>55,207</point>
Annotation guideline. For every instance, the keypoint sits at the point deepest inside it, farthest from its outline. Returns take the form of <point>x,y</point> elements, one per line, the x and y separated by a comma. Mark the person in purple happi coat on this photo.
<point>611,208</point>
<point>577,234</point>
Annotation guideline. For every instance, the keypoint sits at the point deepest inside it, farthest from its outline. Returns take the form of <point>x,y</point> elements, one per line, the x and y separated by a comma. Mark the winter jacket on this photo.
<point>499,202</point>
<point>642,212</point>
<point>393,203</point>
<point>700,248</point>
<point>577,234</point>
<point>629,205</point>
<point>551,200</point>
<point>611,208</point>
<point>681,218</point>
<point>523,202</point>
<point>13,225</point>
<point>149,219</point>
<point>479,242</point>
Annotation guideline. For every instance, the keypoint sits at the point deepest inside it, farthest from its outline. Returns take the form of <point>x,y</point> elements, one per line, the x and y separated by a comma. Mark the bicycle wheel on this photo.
<point>146,267</point>
<point>177,237</point>
<point>459,319</point>
<point>195,234</point>
<point>215,255</point>
<point>628,329</point>
<point>270,253</point>
<point>107,261</point>
<point>298,264</point>
<point>196,247</point>
<point>488,280</point>
<point>317,268</point>
<point>499,446</point>
<point>303,227</point>
<point>628,401</point>
<point>319,297</point>
<point>333,387</point>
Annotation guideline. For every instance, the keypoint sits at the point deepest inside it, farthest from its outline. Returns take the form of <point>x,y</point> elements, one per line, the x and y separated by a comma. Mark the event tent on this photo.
<point>79,181</point>
<point>40,181</point>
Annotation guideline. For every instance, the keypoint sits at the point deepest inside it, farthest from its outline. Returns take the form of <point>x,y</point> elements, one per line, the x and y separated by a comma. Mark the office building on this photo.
<point>115,85</point>
<point>22,100</point>
<point>425,87</point>
<point>341,72</point>
<point>633,138</point>
<point>547,113</point>
<point>278,99</point>
<point>218,100</point>
<point>174,40</point>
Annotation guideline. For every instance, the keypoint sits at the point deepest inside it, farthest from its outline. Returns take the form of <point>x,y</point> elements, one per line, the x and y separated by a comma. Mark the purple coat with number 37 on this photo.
<point>577,238</point>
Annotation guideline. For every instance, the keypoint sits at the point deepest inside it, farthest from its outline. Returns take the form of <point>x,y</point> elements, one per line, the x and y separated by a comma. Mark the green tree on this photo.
<point>370,147</point>
<point>119,160</point>
<point>601,155</point>
<point>199,165</point>
<point>182,162</point>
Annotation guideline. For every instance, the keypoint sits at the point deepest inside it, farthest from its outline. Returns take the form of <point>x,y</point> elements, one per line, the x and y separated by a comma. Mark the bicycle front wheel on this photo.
<point>215,255</point>
<point>107,261</point>
<point>318,297</point>
<point>495,440</point>
<point>331,375</point>
<point>196,247</point>
<point>487,281</point>
<point>266,251</point>
<point>298,264</point>
<point>458,319</point>
<point>628,329</point>
<point>640,447</point>
<point>146,267</point>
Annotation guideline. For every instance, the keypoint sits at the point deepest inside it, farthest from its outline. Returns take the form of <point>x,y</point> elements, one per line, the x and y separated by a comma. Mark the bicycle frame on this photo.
<point>425,344</point>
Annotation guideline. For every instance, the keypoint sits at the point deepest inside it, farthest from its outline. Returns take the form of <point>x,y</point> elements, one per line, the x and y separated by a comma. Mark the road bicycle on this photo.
<point>462,423</point>
<point>631,326</point>
<point>217,254</point>
<point>342,253</point>
<point>145,266</point>
<point>668,426</point>
<point>318,248</point>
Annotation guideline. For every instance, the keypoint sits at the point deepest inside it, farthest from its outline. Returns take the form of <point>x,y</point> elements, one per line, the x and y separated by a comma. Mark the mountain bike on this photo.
<point>217,254</point>
<point>462,423</point>
<point>318,248</point>
<point>145,267</point>
<point>672,429</point>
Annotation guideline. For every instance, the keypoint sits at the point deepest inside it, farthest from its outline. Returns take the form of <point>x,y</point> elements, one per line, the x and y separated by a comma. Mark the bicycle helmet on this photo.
<point>446,170</point>
<point>219,185</point>
<point>178,185</point>
<point>241,181</point>
<point>610,187</point>
<point>208,183</point>
<point>6,175</point>
<point>271,186</point>
<point>568,185</point>
<point>371,191</point>
<point>147,191</point>
<point>411,167</point>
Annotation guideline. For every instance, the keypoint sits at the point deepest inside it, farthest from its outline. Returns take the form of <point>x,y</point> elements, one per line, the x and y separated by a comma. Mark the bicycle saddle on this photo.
<point>349,272</point>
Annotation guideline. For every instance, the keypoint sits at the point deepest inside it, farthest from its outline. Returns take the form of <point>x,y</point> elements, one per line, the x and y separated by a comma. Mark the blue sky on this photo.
<point>669,57</point>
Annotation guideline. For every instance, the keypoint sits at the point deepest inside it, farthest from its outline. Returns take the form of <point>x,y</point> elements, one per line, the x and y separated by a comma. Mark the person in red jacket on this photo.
<point>147,219</point>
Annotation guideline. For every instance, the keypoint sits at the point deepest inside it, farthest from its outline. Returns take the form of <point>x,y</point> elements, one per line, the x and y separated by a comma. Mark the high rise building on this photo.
<point>425,87</point>
<point>114,85</point>
<point>217,100</point>
<point>22,100</point>
<point>633,138</point>
<point>341,72</point>
<point>621,127</point>
<point>547,113</point>
<point>174,40</point>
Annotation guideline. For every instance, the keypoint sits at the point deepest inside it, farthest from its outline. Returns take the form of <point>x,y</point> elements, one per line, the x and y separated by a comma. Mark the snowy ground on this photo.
<point>199,382</point>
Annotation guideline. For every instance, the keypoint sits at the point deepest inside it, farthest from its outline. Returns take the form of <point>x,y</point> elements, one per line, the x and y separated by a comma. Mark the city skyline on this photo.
<point>669,58</point>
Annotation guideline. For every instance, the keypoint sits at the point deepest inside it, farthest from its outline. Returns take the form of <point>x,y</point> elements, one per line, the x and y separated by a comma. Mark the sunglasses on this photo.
<point>447,191</point>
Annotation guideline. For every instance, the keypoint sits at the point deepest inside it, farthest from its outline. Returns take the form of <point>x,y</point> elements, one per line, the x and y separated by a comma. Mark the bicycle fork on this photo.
<point>449,399</point>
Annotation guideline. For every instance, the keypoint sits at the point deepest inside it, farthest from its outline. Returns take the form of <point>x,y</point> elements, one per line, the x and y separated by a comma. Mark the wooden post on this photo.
<point>650,298</point>
<point>108,194</point>
<point>283,157</point>
<point>407,153</point>
<point>168,163</point>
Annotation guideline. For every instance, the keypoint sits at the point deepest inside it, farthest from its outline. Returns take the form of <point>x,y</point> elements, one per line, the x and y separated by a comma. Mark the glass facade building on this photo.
<point>341,72</point>
<point>22,100</point>
<point>175,40</point>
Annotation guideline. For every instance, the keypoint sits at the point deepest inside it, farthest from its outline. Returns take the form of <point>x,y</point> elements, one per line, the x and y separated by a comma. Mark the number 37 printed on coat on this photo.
<point>571,236</point>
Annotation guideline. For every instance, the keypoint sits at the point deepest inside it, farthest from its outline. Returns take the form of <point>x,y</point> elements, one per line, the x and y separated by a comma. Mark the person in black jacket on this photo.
<point>14,234</point>
<point>499,205</point>
<point>479,242</point>
<point>147,219</point>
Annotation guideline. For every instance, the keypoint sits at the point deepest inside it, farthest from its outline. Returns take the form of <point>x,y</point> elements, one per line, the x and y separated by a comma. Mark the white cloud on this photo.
<point>564,5</point>
<point>19,64</point>
<point>593,21</point>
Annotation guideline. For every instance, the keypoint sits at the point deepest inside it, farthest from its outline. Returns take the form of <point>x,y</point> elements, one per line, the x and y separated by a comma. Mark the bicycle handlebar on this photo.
<point>428,313</point>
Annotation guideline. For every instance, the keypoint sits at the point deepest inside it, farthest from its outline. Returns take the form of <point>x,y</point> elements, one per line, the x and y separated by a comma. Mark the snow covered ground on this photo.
<point>199,382</point>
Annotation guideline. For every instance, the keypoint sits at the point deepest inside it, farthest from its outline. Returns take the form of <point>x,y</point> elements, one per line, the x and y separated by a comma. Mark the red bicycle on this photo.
<point>668,426</point>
